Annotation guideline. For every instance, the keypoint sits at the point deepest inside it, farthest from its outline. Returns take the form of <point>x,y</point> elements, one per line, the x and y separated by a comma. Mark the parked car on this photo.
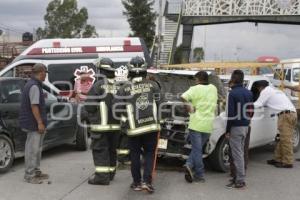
<point>59,130</point>
<point>173,140</point>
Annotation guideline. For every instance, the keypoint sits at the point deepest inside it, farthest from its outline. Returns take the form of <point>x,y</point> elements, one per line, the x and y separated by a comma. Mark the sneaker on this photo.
<point>199,180</point>
<point>282,165</point>
<point>33,180</point>
<point>240,186</point>
<point>272,162</point>
<point>232,180</point>
<point>230,185</point>
<point>148,187</point>
<point>41,175</point>
<point>136,186</point>
<point>233,185</point>
<point>188,174</point>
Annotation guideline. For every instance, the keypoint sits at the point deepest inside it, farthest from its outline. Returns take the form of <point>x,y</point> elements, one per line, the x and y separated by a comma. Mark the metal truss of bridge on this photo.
<point>190,13</point>
<point>240,7</point>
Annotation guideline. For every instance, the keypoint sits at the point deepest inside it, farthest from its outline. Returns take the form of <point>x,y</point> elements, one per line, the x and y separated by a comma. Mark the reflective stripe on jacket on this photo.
<point>101,115</point>
<point>141,107</point>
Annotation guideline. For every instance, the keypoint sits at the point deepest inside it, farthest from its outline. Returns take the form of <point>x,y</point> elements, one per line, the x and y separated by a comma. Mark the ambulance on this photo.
<point>63,57</point>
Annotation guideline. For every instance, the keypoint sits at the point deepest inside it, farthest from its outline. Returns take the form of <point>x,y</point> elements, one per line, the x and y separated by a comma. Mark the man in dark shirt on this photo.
<point>240,100</point>
<point>33,120</point>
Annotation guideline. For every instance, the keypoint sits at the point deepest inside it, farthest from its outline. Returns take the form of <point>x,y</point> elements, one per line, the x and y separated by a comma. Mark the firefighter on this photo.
<point>104,128</point>
<point>140,98</point>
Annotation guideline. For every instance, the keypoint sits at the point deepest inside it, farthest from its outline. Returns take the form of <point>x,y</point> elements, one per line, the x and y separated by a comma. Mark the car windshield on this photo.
<point>296,74</point>
<point>10,91</point>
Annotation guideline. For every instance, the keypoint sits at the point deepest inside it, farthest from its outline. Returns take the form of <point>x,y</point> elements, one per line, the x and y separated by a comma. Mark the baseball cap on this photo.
<point>39,67</point>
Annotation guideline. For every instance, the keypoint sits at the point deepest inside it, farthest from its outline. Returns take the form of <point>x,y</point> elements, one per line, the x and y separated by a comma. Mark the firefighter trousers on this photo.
<point>123,149</point>
<point>104,149</point>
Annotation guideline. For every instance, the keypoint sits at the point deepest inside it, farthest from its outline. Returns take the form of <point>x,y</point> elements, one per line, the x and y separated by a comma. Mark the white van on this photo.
<point>291,73</point>
<point>63,56</point>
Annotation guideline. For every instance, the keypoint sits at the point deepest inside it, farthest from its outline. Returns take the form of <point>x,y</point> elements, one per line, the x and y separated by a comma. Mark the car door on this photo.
<point>263,125</point>
<point>61,120</point>
<point>10,99</point>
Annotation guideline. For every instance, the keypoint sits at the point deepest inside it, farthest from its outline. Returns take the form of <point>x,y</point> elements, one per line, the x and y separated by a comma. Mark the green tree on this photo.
<point>198,54</point>
<point>40,33</point>
<point>64,20</point>
<point>141,18</point>
<point>178,55</point>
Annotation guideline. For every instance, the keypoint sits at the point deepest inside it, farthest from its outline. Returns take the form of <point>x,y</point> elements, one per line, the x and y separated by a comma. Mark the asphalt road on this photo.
<point>69,171</point>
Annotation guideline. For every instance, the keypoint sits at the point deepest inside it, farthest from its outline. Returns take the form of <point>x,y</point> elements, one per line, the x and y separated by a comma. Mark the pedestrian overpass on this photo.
<point>190,13</point>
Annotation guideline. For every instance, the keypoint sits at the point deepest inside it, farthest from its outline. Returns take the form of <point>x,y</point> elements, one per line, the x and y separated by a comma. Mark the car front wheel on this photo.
<point>296,139</point>
<point>6,153</point>
<point>82,137</point>
<point>219,159</point>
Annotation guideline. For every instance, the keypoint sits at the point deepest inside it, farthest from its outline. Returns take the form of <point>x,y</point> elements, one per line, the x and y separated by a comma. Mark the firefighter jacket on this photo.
<point>140,101</point>
<point>99,106</point>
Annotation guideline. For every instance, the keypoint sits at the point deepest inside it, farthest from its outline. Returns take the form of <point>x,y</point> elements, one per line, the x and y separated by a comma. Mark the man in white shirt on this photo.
<point>287,120</point>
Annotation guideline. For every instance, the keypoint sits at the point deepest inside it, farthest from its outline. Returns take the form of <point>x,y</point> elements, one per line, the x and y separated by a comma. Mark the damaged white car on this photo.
<point>173,136</point>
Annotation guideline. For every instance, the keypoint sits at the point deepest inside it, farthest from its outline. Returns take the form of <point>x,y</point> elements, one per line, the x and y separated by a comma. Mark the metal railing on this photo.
<point>240,7</point>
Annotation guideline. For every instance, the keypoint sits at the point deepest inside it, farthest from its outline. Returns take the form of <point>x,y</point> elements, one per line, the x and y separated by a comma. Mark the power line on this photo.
<point>5,27</point>
<point>10,27</point>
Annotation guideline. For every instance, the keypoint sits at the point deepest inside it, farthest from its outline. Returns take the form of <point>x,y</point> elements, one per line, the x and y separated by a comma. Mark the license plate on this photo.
<point>163,144</point>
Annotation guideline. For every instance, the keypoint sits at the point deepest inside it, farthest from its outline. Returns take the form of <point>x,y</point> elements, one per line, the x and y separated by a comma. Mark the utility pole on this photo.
<point>204,58</point>
<point>159,32</point>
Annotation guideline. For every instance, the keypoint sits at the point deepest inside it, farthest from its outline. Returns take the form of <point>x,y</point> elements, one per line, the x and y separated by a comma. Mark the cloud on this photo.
<point>245,41</point>
<point>228,41</point>
<point>105,15</point>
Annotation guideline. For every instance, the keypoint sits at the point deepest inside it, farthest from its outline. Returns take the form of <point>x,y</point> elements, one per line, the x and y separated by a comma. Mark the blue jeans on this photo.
<point>195,160</point>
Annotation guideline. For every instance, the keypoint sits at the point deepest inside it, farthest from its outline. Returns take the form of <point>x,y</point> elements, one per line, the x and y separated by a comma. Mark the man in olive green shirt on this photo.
<point>202,99</point>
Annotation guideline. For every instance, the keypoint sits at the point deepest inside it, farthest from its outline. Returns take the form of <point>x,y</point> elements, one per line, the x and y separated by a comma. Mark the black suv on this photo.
<point>62,123</point>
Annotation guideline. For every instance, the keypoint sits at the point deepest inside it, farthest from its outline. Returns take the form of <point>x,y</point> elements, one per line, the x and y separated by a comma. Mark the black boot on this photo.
<point>98,181</point>
<point>112,175</point>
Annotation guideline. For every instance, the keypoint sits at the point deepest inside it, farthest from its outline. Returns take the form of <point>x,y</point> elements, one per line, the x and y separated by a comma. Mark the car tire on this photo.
<point>296,139</point>
<point>7,154</point>
<point>219,159</point>
<point>82,137</point>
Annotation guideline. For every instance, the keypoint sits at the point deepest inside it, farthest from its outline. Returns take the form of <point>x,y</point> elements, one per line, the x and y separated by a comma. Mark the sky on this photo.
<point>238,41</point>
